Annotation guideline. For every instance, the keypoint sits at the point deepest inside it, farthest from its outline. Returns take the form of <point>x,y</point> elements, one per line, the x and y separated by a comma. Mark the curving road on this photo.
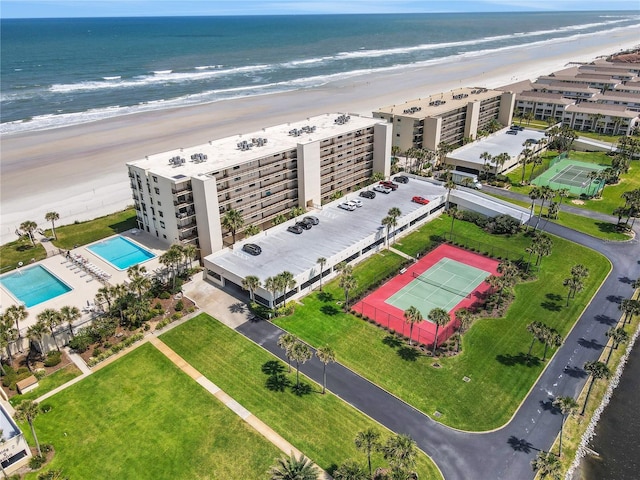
<point>505,453</point>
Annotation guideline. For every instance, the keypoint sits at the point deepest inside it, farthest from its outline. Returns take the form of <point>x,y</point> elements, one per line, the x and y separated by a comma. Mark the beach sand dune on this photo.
<point>79,171</point>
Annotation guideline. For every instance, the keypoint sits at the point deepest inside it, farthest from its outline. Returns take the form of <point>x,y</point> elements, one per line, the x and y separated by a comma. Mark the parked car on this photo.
<point>516,127</point>
<point>304,225</point>
<point>388,184</point>
<point>295,229</point>
<point>252,249</point>
<point>401,179</point>
<point>368,194</point>
<point>420,200</point>
<point>382,188</point>
<point>347,206</point>
<point>311,219</point>
<point>356,201</point>
<point>512,132</point>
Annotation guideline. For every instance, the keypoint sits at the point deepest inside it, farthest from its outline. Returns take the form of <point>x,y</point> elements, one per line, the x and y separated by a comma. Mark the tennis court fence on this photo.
<point>398,325</point>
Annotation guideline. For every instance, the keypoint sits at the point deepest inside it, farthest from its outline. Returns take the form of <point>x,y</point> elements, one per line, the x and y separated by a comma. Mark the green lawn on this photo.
<point>321,426</point>
<point>142,418</point>
<point>82,233</point>
<point>19,251</point>
<point>48,383</point>
<point>493,348</point>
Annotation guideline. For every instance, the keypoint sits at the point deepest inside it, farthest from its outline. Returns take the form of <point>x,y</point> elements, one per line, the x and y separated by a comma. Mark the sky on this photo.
<point>136,8</point>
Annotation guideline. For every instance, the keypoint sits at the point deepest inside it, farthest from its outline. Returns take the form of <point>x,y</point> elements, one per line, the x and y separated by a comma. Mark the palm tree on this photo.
<point>596,370</point>
<point>535,329</point>
<point>52,217</point>
<point>368,441</point>
<point>36,332</point>
<point>326,355</point>
<point>449,184</point>
<point>8,335</point>
<point>550,338</point>
<point>172,259</point>
<point>278,219</point>
<point>51,318</point>
<point>286,342</point>
<point>546,193</point>
<point>574,284</point>
<point>525,158</point>
<point>567,406</point>
<point>28,227</point>
<point>271,284</point>
<point>232,220</point>
<point>189,252</point>
<point>412,316</point>
<point>387,222</point>
<point>534,194</point>
<point>440,317</point>
<point>300,352</point>
<point>455,214</point>
<point>393,214</point>
<point>464,318</point>
<point>535,160</point>
<point>350,470</point>
<point>251,283</point>
<point>401,452</point>
<point>322,261</point>
<point>347,283</point>
<point>27,411</point>
<point>292,468</point>
<point>547,465</point>
<point>287,282</point>
<point>68,315</point>
<point>17,313</point>
<point>104,295</point>
<point>138,281</point>
<point>617,336</point>
<point>486,158</point>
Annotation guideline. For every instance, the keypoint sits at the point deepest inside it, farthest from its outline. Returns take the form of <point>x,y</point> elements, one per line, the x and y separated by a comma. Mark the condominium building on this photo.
<point>448,117</point>
<point>181,195</point>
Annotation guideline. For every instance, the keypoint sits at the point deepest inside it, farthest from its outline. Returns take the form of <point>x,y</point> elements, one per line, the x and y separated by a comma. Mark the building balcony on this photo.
<point>183,187</point>
<point>188,236</point>
<point>188,225</point>
<point>187,200</point>
<point>186,214</point>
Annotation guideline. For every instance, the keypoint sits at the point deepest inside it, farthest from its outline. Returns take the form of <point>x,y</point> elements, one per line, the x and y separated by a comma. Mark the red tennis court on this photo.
<point>387,304</point>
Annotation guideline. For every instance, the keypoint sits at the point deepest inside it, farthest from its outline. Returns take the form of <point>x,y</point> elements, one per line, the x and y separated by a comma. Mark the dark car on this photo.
<point>401,179</point>
<point>252,249</point>
<point>388,184</point>
<point>295,229</point>
<point>305,225</point>
<point>368,194</point>
<point>512,132</point>
<point>311,220</point>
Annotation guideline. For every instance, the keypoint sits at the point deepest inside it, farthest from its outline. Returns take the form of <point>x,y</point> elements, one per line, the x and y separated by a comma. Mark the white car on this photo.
<point>347,206</point>
<point>355,202</point>
<point>382,188</point>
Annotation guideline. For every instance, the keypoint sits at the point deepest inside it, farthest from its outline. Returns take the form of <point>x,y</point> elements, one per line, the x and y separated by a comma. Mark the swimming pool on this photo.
<point>120,252</point>
<point>34,285</point>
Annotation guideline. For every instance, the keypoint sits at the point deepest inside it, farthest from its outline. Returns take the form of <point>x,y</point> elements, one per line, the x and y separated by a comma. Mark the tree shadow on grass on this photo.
<point>520,444</point>
<point>277,382</point>
<point>330,310</point>
<point>519,359</point>
<point>551,306</point>
<point>606,227</point>
<point>392,341</point>
<point>325,297</point>
<point>554,297</point>
<point>409,354</point>
<point>302,389</point>
<point>272,367</point>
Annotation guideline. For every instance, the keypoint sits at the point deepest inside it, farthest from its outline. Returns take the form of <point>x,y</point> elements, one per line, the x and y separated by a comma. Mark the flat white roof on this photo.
<point>499,142</point>
<point>440,103</point>
<point>224,153</point>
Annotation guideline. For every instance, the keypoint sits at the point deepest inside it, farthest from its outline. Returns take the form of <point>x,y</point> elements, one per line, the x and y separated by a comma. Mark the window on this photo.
<point>164,236</point>
<point>155,179</point>
<point>160,213</point>
<point>157,191</point>
<point>161,223</point>
<point>159,203</point>
<point>236,167</point>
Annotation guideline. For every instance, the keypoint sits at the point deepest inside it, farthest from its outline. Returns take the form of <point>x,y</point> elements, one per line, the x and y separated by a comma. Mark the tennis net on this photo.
<point>443,287</point>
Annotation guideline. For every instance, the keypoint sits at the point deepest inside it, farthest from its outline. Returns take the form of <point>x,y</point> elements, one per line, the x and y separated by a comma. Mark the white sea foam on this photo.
<point>115,77</point>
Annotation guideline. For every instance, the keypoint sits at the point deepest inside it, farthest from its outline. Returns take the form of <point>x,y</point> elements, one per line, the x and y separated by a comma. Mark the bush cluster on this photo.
<point>13,376</point>
<point>499,225</point>
<point>101,329</point>
<point>115,349</point>
<point>53,358</point>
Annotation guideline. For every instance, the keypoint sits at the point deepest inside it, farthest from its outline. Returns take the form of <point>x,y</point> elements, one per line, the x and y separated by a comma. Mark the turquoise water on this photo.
<point>120,252</point>
<point>34,285</point>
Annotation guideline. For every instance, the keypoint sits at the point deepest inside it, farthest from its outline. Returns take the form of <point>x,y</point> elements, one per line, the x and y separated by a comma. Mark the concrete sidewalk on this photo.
<point>263,429</point>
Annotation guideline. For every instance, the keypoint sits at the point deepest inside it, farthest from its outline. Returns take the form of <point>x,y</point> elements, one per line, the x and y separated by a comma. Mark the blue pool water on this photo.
<point>120,252</point>
<point>34,285</point>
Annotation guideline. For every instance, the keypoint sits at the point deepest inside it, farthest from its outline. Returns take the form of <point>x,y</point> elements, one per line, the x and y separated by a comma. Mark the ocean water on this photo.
<point>56,72</point>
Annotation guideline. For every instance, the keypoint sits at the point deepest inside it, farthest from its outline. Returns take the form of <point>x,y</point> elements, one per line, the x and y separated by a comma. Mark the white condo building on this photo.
<point>181,195</point>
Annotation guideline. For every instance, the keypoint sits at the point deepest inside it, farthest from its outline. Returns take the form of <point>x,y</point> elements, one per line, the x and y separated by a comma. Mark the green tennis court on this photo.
<point>444,285</point>
<point>572,175</point>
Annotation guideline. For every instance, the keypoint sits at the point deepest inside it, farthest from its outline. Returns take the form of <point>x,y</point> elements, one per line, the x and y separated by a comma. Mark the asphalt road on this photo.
<point>503,454</point>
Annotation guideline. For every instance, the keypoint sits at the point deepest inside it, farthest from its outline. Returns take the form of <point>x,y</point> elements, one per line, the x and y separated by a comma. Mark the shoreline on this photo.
<point>79,170</point>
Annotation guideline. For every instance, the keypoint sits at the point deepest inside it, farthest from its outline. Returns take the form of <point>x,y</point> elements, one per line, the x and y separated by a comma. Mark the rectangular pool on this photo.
<point>120,252</point>
<point>33,285</point>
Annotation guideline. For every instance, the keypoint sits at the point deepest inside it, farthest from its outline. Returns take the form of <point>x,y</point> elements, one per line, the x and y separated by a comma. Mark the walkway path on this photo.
<point>402,254</point>
<point>505,453</point>
<point>258,425</point>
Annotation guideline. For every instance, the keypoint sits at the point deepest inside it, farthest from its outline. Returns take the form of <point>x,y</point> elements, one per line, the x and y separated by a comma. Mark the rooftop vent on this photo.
<point>412,110</point>
<point>342,119</point>
<point>437,103</point>
<point>198,157</point>
<point>296,132</point>
<point>460,96</point>
<point>176,161</point>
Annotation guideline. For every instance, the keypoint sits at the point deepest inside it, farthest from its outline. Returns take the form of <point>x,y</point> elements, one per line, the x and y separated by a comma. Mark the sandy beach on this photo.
<point>79,171</point>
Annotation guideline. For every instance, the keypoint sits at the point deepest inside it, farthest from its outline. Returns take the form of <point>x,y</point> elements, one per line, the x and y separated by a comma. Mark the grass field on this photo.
<point>48,383</point>
<point>142,418</point>
<point>82,233</point>
<point>321,426</point>
<point>493,350</point>
<point>19,251</point>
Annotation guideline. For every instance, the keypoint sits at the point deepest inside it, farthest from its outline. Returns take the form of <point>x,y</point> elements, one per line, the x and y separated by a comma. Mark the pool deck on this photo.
<point>83,284</point>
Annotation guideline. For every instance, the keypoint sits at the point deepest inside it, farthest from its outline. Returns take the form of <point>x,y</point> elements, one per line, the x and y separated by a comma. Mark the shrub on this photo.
<point>80,343</point>
<point>51,475</point>
<point>162,324</point>
<point>175,316</point>
<point>164,295</point>
<point>191,309</point>
<point>179,306</point>
<point>157,306</point>
<point>502,224</point>
<point>53,358</point>
<point>36,462</point>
